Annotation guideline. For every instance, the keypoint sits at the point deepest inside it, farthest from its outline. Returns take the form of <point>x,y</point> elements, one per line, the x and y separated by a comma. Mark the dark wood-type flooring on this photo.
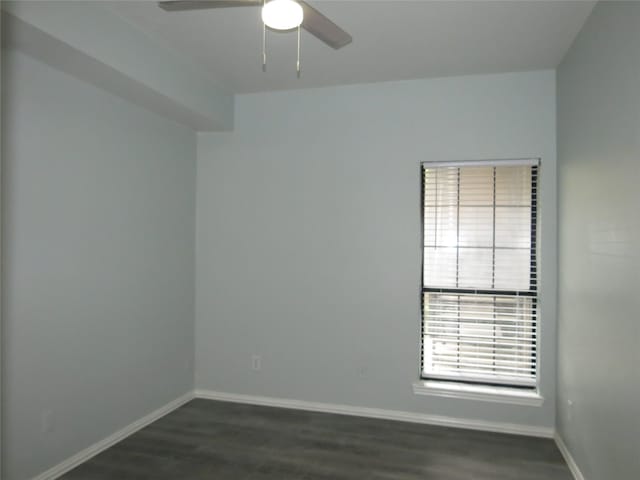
<point>209,440</point>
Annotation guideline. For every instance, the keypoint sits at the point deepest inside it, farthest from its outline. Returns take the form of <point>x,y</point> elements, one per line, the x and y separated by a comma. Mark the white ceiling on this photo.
<point>393,40</point>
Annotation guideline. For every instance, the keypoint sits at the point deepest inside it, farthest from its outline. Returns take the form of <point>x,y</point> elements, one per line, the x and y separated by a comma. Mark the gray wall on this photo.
<point>308,236</point>
<point>599,196</point>
<point>98,220</point>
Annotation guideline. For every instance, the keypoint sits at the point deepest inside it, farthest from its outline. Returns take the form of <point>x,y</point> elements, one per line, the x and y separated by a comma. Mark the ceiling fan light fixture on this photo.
<point>282,14</point>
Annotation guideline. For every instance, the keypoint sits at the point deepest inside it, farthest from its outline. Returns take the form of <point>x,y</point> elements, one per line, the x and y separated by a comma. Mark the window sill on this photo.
<point>485,393</point>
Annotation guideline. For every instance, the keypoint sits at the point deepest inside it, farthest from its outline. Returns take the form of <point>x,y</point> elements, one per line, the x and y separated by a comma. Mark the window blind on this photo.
<point>479,295</point>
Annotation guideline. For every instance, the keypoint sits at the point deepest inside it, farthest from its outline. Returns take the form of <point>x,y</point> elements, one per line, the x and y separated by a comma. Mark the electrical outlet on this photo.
<point>256,363</point>
<point>47,421</point>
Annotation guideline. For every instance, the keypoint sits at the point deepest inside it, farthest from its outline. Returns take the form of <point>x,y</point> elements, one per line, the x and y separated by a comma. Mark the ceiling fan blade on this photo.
<point>324,29</point>
<point>183,5</point>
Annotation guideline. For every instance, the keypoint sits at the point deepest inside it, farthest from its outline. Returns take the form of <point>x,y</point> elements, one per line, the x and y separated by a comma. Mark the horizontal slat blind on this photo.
<point>480,337</point>
<point>480,276</point>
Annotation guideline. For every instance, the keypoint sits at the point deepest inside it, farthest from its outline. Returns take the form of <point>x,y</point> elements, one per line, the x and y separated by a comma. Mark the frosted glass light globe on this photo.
<point>282,14</point>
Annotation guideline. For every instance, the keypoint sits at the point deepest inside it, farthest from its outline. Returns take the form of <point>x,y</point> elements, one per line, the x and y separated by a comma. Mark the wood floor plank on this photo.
<point>211,440</point>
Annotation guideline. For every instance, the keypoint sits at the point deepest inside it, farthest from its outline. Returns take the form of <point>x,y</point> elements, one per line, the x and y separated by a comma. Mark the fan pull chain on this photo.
<point>264,47</point>
<point>264,43</point>
<point>298,62</point>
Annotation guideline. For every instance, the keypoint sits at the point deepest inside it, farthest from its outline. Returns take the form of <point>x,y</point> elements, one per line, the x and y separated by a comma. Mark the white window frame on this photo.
<point>450,387</point>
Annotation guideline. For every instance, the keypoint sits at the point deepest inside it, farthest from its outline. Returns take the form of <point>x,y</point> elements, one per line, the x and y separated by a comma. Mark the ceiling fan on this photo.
<point>283,15</point>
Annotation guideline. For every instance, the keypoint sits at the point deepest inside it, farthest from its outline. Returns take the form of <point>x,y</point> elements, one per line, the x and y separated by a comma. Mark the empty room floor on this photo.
<point>214,440</point>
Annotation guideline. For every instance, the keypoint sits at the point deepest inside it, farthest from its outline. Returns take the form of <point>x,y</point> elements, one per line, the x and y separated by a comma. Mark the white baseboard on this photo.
<point>96,448</point>
<point>573,466</point>
<point>412,417</point>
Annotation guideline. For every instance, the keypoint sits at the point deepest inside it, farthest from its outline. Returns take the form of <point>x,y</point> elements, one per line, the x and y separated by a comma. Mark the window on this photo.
<point>479,286</point>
